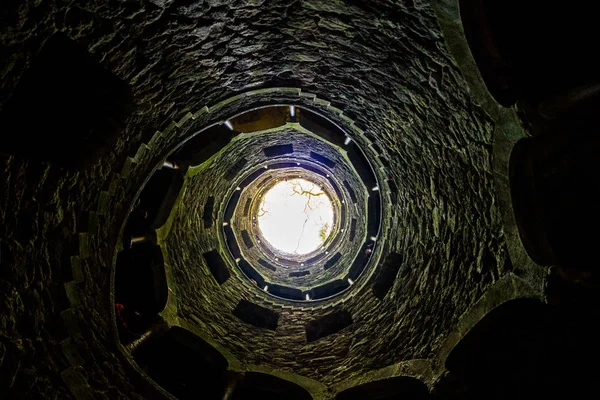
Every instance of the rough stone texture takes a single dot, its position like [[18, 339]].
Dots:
[[384, 63], [208, 181], [315, 270], [204, 301]]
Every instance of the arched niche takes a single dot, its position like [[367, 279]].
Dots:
[[256, 385], [141, 290], [527, 349], [530, 50], [398, 387], [155, 202], [184, 365], [527, 205], [495, 69], [555, 181], [67, 109]]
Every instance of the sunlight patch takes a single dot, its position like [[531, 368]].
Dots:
[[295, 216]]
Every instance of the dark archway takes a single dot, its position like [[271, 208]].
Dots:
[[256, 385], [400, 387], [555, 184], [530, 51], [526, 349], [184, 364], [141, 290]]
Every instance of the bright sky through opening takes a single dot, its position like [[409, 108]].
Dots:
[[295, 216]]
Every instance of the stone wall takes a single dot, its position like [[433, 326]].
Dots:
[[384, 64]]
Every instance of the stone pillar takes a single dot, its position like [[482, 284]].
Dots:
[[232, 381], [158, 329]]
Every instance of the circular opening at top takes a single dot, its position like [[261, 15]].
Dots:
[[295, 216]]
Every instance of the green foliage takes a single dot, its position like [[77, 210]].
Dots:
[[323, 232]]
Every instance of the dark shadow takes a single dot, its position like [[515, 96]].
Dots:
[[495, 69], [232, 242], [400, 387], [246, 239], [527, 206], [362, 259], [184, 365], [231, 205], [387, 275], [159, 201], [525, 349], [67, 109], [256, 315], [261, 119], [530, 50], [207, 214], [247, 207], [155, 202], [299, 273], [332, 261], [217, 266], [251, 178], [321, 127], [362, 165], [327, 325], [256, 385], [278, 150], [251, 273], [555, 181], [329, 289], [236, 169], [266, 264], [286, 292], [352, 230], [373, 214], [322, 159], [203, 145], [141, 290], [350, 191], [567, 178]]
